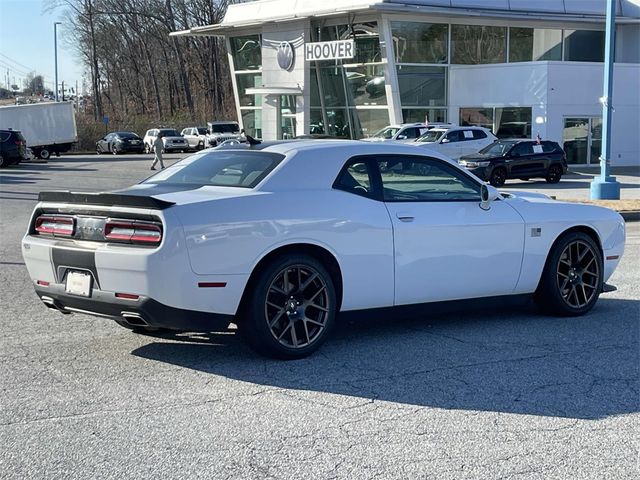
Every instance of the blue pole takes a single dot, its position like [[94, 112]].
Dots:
[[606, 187]]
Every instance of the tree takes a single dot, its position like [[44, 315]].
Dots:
[[35, 84]]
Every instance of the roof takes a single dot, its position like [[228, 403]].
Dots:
[[255, 13]]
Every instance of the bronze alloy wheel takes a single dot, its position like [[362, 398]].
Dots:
[[578, 274], [297, 306]]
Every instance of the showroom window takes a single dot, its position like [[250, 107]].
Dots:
[[246, 52], [348, 97], [475, 44], [583, 46], [415, 42], [504, 122], [533, 44]]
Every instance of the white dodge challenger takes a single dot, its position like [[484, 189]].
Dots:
[[279, 238]]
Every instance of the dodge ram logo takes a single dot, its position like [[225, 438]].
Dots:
[[286, 56]]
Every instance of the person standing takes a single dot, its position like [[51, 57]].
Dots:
[[158, 146]]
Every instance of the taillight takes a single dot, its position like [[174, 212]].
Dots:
[[55, 225], [133, 231]]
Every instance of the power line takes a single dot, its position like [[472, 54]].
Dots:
[[15, 62]]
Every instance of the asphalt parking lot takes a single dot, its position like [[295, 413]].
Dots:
[[498, 393]]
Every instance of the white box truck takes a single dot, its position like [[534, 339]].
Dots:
[[49, 128]]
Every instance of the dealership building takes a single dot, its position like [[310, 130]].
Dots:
[[521, 68]]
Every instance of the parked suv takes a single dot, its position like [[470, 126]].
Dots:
[[171, 139], [196, 137], [407, 132], [13, 148], [218, 132], [523, 159], [456, 141]]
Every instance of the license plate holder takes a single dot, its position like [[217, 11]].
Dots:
[[79, 283]]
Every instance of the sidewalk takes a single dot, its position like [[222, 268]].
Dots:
[[575, 187]]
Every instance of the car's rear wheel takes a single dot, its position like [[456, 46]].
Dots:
[[572, 278], [290, 309], [554, 174], [498, 177], [44, 154], [3, 163], [114, 149]]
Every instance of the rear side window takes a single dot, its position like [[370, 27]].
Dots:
[[479, 135], [355, 178], [4, 136], [454, 136], [525, 148], [548, 147], [223, 169]]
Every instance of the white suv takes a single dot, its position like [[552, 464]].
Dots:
[[196, 137], [407, 132], [456, 141], [172, 140]]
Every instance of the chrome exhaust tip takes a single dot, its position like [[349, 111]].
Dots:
[[134, 319]]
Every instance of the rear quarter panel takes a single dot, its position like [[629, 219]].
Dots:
[[553, 219]]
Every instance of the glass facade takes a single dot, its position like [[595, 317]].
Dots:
[[475, 44], [415, 42], [352, 92], [532, 44], [504, 122], [246, 52], [583, 46]]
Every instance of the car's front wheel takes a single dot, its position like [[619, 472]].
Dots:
[[498, 177], [572, 278], [290, 309]]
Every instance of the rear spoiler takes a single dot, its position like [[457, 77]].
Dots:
[[104, 199]]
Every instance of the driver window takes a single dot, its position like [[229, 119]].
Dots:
[[453, 136], [413, 179]]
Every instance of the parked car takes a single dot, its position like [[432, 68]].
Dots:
[[120, 142], [279, 238], [407, 132], [13, 148], [523, 159], [196, 137], [220, 131], [456, 141], [172, 140]]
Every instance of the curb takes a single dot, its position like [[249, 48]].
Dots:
[[631, 216]]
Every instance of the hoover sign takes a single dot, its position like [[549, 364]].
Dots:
[[338, 49]]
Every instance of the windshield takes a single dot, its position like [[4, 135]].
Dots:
[[387, 132], [497, 149], [225, 128], [202, 131], [168, 132], [431, 136], [220, 168], [127, 135]]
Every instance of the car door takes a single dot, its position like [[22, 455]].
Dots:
[[523, 161], [445, 246], [450, 144], [468, 142]]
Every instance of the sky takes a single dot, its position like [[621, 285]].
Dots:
[[26, 43]]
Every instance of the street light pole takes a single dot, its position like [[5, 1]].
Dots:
[[55, 55], [606, 187]]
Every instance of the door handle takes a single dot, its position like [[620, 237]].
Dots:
[[405, 217]]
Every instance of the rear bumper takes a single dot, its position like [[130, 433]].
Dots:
[[143, 311], [172, 148]]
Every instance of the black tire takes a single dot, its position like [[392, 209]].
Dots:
[[294, 324], [554, 174], [571, 281], [3, 163], [98, 149], [114, 149], [44, 154], [498, 177]]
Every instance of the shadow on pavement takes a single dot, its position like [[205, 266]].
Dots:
[[510, 361]]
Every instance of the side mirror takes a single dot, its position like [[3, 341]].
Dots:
[[445, 140], [402, 137], [488, 194]]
